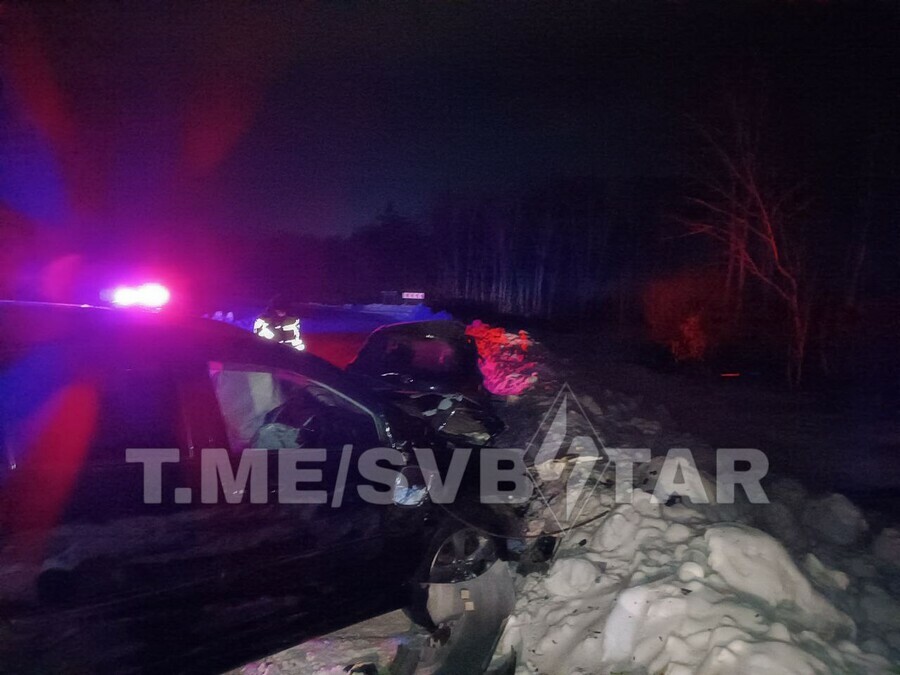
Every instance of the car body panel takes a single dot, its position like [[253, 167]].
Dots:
[[169, 587]]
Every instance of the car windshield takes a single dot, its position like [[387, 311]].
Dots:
[[427, 356]]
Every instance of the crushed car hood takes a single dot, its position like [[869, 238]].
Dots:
[[429, 370]]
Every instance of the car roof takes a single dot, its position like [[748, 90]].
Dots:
[[151, 335], [443, 329]]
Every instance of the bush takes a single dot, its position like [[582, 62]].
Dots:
[[685, 314]]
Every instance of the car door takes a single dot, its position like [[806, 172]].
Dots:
[[359, 530], [328, 550], [113, 575]]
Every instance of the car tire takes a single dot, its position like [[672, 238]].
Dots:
[[466, 543]]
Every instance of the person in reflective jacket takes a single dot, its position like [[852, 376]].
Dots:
[[278, 324]]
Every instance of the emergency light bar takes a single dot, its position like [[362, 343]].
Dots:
[[152, 296]]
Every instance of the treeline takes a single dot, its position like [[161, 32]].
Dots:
[[556, 250], [733, 257], [564, 249]]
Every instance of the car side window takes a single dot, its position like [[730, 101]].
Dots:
[[246, 395], [265, 408]]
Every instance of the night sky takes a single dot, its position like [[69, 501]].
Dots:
[[311, 117]]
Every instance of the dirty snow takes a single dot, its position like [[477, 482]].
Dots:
[[805, 584], [375, 641], [835, 519], [650, 588]]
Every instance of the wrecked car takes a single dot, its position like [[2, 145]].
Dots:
[[99, 575], [430, 370]]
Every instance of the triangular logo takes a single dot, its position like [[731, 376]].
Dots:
[[566, 458]]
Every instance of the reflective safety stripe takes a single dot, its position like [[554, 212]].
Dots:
[[262, 328]]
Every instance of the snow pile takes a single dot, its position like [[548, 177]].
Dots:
[[836, 520], [887, 546], [801, 585], [756, 565], [650, 588]]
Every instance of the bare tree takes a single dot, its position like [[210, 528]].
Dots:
[[755, 215]]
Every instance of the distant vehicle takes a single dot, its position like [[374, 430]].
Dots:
[[93, 579], [430, 369]]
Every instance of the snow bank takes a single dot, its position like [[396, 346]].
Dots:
[[650, 588], [801, 585], [753, 563], [835, 519], [887, 546]]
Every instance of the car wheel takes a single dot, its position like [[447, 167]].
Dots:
[[463, 547], [465, 554]]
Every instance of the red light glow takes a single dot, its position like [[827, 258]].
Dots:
[[150, 295]]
